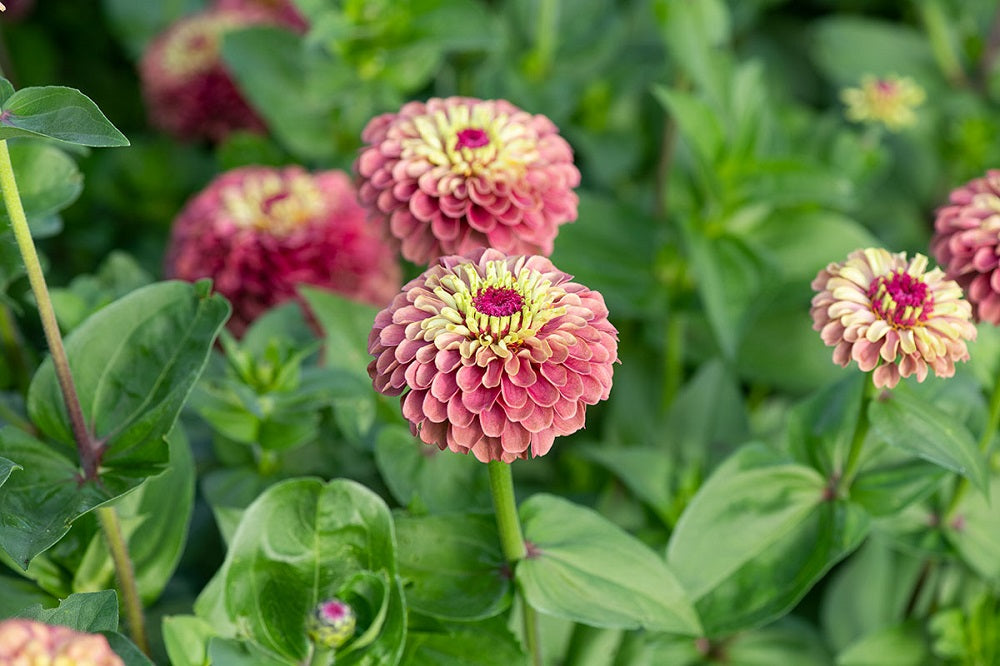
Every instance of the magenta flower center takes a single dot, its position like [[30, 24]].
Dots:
[[900, 299], [472, 137], [333, 611], [498, 301]]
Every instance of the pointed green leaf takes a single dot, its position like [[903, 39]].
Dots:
[[186, 638], [466, 644], [48, 180], [89, 612], [59, 113], [589, 570]]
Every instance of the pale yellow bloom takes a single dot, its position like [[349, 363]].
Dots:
[[888, 100]]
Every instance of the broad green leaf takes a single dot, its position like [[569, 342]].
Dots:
[[820, 428], [585, 568], [452, 566], [698, 123], [118, 275], [89, 612], [899, 645], [59, 113], [467, 644], [974, 531], [186, 638], [756, 537], [6, 90], [646, 470], [346, 325], [134, 363], [229, 492], [886, 489], [299, 543], [6, 467], [47, 181], [126, 649], [244, 653], [692, 33], [788, 641], [423, 477], [16, 594], [904, 420]]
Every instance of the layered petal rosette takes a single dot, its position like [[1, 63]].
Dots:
[[36, 644], [260, 231], [892, 315], [493, 354], [187, 89], [454, 174], [967, 243]]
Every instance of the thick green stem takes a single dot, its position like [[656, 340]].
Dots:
[[546, 31], [322, 657], [89, 450], [125, 573], [992, 423], [943, 45], [850, 469], [513, 545]]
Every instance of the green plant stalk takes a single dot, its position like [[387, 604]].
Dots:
[[88, 448], [112, 528], [992, 423], [321, 657], [513, 545], [857, 439], [943, 46], [545, 38]]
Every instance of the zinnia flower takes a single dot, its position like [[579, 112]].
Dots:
[[32, 643], [967, 243], [889, 101], [892, 316], [260, 231], [188, 91], [459, 173], [284, 12], [495, 355]]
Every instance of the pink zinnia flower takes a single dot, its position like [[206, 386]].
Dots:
[[284, 12], [30, 642], [892, 316], [459, 173], [260, 231], [967, 243], [188, 91], [495, 355]]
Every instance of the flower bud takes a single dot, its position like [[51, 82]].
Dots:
[[331, 624]]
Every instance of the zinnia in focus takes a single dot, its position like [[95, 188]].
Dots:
[[260, 231], [889, 101], [967, 243], [36, 644], [892, 316], [495, 355], [188, 91], [455, 174]]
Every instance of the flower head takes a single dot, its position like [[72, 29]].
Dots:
[[188, 91], [454, 174], [260, 231], [892, 316], [495, 355], [284, 12], [30, 642], [888, 100], [967, 243], [332, 623]]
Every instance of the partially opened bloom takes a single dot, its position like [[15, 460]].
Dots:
[[495, 355], [454, 174], [188, 91], [260, 231], [36, 644], [967, 243], [889, 101], [892, 316]]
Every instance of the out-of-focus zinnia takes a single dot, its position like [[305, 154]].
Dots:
[[967, 243], [892, 316], [889, 101], [495, 355], [188, 91], [260, 231], [451, 175], [36, 644], [284, 11]]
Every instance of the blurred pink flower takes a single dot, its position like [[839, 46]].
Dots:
[[495, 355], [967, 243], [892, 316], [187, 89], [284, 12], [260, 231], [459, 173], [35, 644]]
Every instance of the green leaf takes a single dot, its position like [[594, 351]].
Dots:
[[346, 324], [906, 421], [452, 566], [229, 492], [17, 594], [47, 181], [974, 532], [186, 638], [586, 569], [697, 122], [756, 537], [6, 90], [88, 612], [6, 467], [134, 363], [693, 33], [424, 477], [59, 113], [127, 650], [899, 645], [888, 489], [299, 543], [820, 428], [849, 47], [479, 644], [645, 470]]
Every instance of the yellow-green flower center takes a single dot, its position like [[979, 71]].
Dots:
[[194, 46], [272, 203], [498, 310]]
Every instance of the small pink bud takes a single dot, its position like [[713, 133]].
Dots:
[[331, 624]]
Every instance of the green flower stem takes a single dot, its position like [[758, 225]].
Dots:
[[88, 449], [513, 545], [935, 20], [546, 30], [321, 657], [858, 439], [125, 573], [992, 423]]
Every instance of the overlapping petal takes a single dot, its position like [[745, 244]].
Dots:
[[494, 354], [36, 644]]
